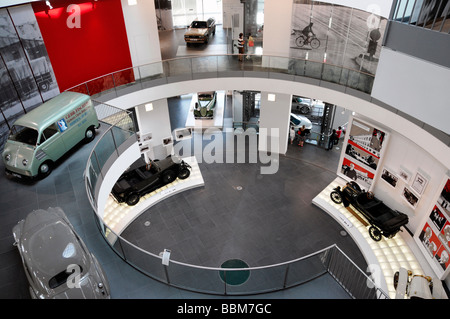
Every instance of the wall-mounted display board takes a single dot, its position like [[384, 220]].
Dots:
[[434, 237], [364, 145]]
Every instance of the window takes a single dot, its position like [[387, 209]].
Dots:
[[60, 278], [48, 132], [23, 134]]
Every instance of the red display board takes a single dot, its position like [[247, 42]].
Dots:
[[84, 40]]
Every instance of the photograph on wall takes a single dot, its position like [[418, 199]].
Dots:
[[367, 137], [389, 177], [361, 155], [409, 196], [430, 240], [419, 183], [444, 197], [354, 172], [444, 235], [404, 174], [27, 78], [336, 34], [363, 149], [442, 257], [438, 218]]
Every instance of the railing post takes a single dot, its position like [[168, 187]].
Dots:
[[286, 276]]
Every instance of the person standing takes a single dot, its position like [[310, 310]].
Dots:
[[332, 140], [292, 134], [339, 132], [302, 135], [240, 46], [251, 45]]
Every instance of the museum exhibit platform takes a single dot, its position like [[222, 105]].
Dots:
[[212, 124], [384, 257], [119, 215]]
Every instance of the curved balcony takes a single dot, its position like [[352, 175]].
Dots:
[[106, 162]]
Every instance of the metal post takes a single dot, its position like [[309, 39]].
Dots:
[[167, 274], [286, 276]]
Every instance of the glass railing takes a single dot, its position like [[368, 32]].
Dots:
[[217, 66], [120, 134]]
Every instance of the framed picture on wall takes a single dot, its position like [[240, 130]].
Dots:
[[409, 196], [389, 177], [404, 174], [419, 183]]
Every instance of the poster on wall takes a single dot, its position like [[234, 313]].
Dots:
[[435, 235], [362, 153], [442, 257], [354, 172], [335, 34], [429, 240], [444, 197]]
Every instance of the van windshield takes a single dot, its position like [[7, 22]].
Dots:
[[23, 134]]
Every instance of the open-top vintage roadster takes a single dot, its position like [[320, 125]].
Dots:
[[383, 220], [142, 178]]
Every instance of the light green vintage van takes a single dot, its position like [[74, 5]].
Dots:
[[39, 138]]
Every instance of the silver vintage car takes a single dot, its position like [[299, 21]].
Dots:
[[57, 263]]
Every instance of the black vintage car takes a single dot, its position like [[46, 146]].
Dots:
[[142, 178], [384, 221]]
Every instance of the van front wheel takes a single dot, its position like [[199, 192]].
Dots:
[[89, 135], [45, 169]]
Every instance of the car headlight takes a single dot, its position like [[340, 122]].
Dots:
[[7, 157], [25, 162]]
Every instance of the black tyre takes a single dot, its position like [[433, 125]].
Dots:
[[375, 233], [315, 43], [336, 197], [168, 177], [45, 169], [89, 135], [184, 173], [132, 199], [304, 109]]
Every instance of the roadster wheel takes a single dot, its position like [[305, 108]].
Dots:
[[132, 199], [168, 177], [184, 173], [336, 197], [375, 233]]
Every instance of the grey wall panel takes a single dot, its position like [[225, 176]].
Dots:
[[422, 43]]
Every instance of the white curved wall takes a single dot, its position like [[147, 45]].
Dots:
[[402, 126]]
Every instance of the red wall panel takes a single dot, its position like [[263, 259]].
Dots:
[[84, 39]]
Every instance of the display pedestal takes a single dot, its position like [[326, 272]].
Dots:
[[214, 123], [118, 216], [387, 254]]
